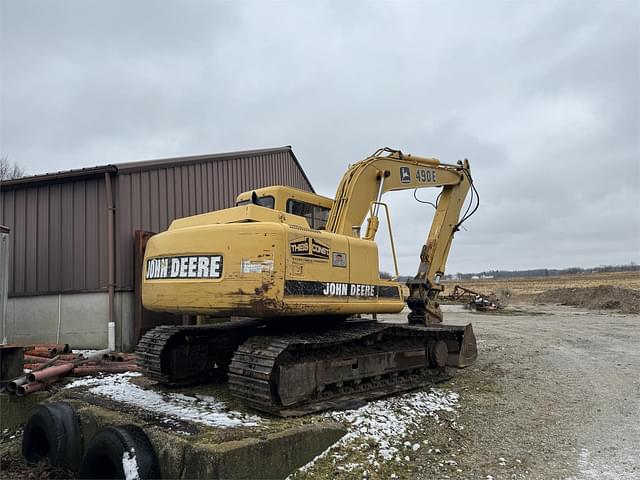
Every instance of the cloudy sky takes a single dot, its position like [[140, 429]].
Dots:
[[542, 97]]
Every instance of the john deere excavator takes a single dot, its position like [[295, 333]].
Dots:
[[297, 269]]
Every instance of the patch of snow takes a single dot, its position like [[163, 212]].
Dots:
[[202, 409], [380, 427], [130, 465], [84, 353]]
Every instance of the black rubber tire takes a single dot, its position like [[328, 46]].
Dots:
[[53, 433], [103, 458]]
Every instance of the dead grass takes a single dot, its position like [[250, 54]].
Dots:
[[514, 288]]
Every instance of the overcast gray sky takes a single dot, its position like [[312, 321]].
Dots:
[[542, 97]]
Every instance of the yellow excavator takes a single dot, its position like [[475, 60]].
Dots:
[[299, 278]]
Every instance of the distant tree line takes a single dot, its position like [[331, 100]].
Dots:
[[545, 272]]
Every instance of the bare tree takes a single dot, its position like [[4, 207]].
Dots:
[[9, 170]]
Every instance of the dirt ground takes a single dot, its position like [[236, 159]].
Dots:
[[527, 288], [554, 394], [559, 392]]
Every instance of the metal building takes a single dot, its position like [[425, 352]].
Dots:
[[71, 266]]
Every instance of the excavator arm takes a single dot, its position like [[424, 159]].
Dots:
[[389, 170]]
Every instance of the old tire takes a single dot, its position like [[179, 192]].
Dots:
[[53, 433], [114, 446]]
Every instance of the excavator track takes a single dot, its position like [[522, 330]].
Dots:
[[301, 373], [178, 355], [292, 374]]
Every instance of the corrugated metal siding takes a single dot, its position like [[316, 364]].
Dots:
[[152, 199], [59, 229], [57, 237]]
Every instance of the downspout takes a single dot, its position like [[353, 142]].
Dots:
[[110, 259]]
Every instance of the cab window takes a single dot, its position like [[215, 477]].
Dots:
[[316, 216], [267, 201]]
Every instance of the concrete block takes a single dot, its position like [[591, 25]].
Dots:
[[15, 411], [273, 455]]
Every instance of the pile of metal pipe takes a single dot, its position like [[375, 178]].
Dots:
[[48, 364]]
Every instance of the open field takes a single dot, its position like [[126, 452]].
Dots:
[[526, 287]]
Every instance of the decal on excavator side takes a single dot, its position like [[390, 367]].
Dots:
[[338, 289], [196, 266], [309, 247]]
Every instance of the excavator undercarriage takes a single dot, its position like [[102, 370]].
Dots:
[[290, 374]]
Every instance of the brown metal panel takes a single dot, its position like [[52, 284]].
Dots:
[[204, 185], [177, 189], [31, 240], [145, 197], [211, 186], [68, 252], [79, 235], [197, 189], [163, 200], [8, 219], [222, 184], [92, 240], [54, 280], [18, 232], [192, 190], [171, 196], [102, 249], [184, 191], [43, 235], [136, 201], [126, 204], [154, 201]]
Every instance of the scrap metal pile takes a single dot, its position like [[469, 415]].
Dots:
[[473, 300], [45, 364]]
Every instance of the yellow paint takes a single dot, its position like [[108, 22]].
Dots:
[[263, 249]]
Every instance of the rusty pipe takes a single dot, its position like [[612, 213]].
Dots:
[[13, 385], [71, 356], [60, 347], [42, 352], [35, 359], [50, 372], [46, 364], [111, 209], [23, 390]]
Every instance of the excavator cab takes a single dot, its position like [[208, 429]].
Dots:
[[311, 206]]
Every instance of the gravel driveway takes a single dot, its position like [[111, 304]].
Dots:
[[555, 394]]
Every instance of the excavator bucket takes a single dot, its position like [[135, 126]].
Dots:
[[468, 348], [461, 344]]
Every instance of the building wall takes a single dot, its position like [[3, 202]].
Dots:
[[81, 317], [58, 237], [58, 272], [59, 225]]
